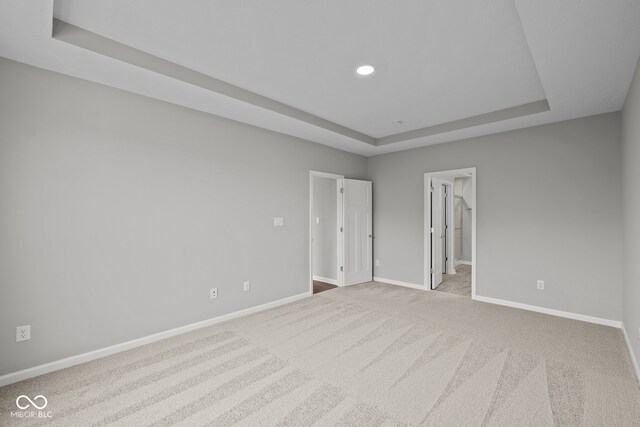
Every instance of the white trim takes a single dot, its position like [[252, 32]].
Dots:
[[399, 283], [451, 233], [552, 312], [117, 348], [339, 260], [462, 262], [426, 261], [325, 175], [634, 361], [326, 280], [474, 229]]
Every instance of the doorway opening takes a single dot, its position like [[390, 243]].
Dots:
[[325, 225], [340, 231], [450, 231]]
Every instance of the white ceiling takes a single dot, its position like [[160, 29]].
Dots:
[[429, 70], [436, 61]]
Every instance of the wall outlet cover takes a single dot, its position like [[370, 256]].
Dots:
[[23, 333], [540, 285], [247, 286], [377, 263], [278, 222], [213, 293]]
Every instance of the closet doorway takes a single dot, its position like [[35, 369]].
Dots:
[[450, 230], [341, 231]]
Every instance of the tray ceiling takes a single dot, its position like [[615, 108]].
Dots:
[[446, 69]]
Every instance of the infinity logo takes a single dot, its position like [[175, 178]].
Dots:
[[31, 402]]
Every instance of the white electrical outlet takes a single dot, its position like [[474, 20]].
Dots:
[[213, 293], [247, 286], [23, 333], [278, 222], [377, 263], [541, 285], [317, 220]]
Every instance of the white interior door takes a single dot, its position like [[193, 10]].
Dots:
[[437, 232], [358, 232], [445, 227]]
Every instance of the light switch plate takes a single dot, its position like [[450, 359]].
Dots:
[[247, 286], [317, 220], [278, 222], [541, 285], [23, 333]]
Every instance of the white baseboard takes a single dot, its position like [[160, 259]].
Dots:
[[634, 361], [559, 313], [117, 348], [326, 280], [399, 283], [462, 262]]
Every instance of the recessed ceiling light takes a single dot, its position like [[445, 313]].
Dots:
[[365, 70]]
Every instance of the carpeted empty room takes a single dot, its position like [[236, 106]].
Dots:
[[371, 354], [286, 213]]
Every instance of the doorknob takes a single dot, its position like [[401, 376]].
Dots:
[[371, 236]]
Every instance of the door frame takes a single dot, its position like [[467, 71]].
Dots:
[[339, 223], [437, 221], [450, 267], [427, 223]]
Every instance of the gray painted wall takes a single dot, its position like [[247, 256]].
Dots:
[[631, 198], [463, 217], [548, 207], [119, 212], [467, 218], [325, 239]]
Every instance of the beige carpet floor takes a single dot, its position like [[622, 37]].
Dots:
[[459, 283], [366, 355]]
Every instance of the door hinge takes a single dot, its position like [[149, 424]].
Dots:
[[341, 190], [431, 271], [341, 229], [341, 268], [431, 189], [432, 230]]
